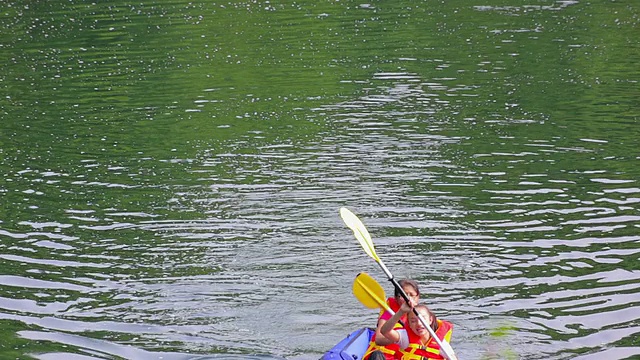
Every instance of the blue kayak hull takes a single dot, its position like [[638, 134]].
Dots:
[[352, 347]]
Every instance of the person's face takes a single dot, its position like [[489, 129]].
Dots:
[[416, 325], [411, 293]]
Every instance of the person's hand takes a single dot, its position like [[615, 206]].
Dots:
[[407, 307]]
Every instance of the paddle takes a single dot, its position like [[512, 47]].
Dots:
[[367, 290], [362, 234]]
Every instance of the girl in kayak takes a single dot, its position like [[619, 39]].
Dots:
[[382, 348], [414, 339]]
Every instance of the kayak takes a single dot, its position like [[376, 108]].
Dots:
[[351, 347]]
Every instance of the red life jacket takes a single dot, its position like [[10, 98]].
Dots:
[[388, 350], [417, 351]]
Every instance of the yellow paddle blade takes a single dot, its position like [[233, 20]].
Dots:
[[360, 232], [367, 290]]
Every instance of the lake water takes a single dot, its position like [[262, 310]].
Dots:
[[173, 171]]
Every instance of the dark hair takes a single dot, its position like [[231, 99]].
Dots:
[[403, 283], [434, 322]]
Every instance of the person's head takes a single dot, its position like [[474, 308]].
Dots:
[[410, 288], [416, 325]]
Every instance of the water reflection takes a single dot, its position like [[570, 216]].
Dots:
[[97, 349], [172, 174]]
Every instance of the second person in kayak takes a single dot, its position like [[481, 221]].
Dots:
[[414, 340], [380, 347]]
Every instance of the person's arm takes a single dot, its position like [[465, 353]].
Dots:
[[397, 336], [381, 339], [387, 329]]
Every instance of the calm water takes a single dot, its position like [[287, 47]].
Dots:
[[172, 174]]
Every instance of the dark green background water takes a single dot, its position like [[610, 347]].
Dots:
[[172, 174]]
